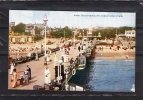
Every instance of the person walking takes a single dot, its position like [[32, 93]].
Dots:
[[62, 58], [47, 74], [12, 68], [71, 62], [55, 58], [79, 48], [36, 58], [29, 70], [26, 77]]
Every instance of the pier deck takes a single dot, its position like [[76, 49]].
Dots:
[[37, 68]]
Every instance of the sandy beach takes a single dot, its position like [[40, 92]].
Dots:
[[115, 54]]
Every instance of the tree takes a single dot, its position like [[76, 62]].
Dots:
[[61, 32], [122, 29], [20, 28], [38, 37], [67, 31], [111, 32], [37, 30]]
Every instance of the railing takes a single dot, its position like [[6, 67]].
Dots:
[[74, 86]]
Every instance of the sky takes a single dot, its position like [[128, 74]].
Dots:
[[74, 19]]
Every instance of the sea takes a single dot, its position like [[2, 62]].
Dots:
[[106, 76]]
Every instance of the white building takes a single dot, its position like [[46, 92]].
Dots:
[[11, 24], [28, 28], [130, 33], [39, 25], [89, 34]]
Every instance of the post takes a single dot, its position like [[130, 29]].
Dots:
[[83, 37], [64, 36], [66, 81], [45, 31], [74, 40], [66, 78], [45, 41], [58, 73], [41, 47]]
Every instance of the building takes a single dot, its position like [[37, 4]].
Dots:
[[15, 38], [30, 28], [130, 34], [11, 24], [89, 35], [20, 39], [39, 25]]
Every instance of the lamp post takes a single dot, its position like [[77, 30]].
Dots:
[[82, 36], [45, 31], [64, 36], [74, 39], [59, 78]]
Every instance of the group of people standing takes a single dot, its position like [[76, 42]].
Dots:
[[81, 47], [23, 79]]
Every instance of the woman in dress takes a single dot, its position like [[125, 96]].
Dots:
[[15, 78], [11, 68]]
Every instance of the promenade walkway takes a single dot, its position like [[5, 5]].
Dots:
[[37, 68]]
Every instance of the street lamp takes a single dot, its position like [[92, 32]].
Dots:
[[75, 32], [45, 31], [59, 77], [64, 36], [74, 39], [82, 36]]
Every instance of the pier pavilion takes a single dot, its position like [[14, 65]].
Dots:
[[89, 35]]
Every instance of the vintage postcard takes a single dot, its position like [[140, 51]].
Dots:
[[72, 51]]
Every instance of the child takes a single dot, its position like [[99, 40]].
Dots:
[[21, 80]]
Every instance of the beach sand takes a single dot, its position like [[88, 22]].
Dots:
[[120, 54]]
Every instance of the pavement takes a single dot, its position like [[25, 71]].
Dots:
[[37, 70]]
